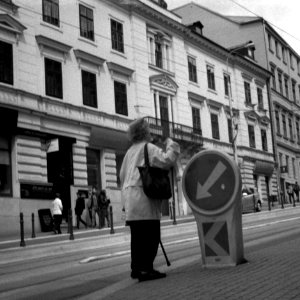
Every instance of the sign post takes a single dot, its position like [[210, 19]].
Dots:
[[211, 184]]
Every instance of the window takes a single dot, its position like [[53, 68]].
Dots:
[[210, 78], [53, 78], [229, 124], [284, 125], [277, 49], [294, 168], [291, 61], [251, 136], [93, 168], [158, 53], [273, 78], [298, 131], [264, 141], [196, 120], [260, 98], [5, 166], [51, 12], [291, 129], [120, 98], [247, 92], [227, 85], [6, 63], [287, 158], [280, 82], [277, 122], [283, 54], [117, 41], [286, 86], [270, 43], [294, 90], [215, 126], [86, 20], [192, 69], [89, 89]]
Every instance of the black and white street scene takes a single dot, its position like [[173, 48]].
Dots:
[[149, 149]]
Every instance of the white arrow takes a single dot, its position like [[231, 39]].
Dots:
[[202, 190]]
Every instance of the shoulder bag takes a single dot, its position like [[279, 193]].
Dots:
[[156, 181]]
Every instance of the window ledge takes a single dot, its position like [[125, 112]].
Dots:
[[122, 54], [88, 41], [196, 84], [212, 91], [56, 28], [161, 70]]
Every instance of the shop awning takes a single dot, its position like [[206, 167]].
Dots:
[[264, 167]]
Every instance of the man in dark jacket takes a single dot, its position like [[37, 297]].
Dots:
[[79, 208]]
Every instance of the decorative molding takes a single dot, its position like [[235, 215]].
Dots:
[[164, 83], [45, 42], [84, 56], [113, 67], [11, 25]]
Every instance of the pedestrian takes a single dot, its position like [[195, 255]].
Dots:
[[79, 208], [290, 192], [57, 208], [93, 206], [103, 205], [143, 214], [296, 190]]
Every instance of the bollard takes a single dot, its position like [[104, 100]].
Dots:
[[294, 203], [32, 225], [269, 203], [70, 225], [281, 198], [22, 243], [112, 231], [171, 211]]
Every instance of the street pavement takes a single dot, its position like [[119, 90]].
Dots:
[[272, 272]]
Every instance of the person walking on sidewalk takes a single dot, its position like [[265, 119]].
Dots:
[[103, 204], [57, 208], [296, 190], [93, 206], [79, 208], [290, 192], [143, 214]]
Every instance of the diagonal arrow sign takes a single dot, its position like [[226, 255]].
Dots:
[[202, 190]]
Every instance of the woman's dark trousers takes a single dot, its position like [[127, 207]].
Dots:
[[145, 237]]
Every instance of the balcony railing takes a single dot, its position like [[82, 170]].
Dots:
[[178, 132]]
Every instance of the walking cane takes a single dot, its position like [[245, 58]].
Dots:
[[165, 254]]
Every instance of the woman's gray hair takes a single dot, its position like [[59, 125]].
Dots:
[[138, 131]]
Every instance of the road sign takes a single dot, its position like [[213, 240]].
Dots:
[[210, 182]]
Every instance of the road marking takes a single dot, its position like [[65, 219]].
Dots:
[[202, 190]]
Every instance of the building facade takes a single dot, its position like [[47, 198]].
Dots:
[[276, 55], [74, 74]]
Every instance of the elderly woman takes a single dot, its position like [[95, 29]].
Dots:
[[143, 214]]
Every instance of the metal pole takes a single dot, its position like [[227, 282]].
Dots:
[[233, 142], [22, 243], [32, 223], [70, 223], [112, 231], [173, 194]]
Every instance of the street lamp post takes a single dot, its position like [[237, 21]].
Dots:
[[239, 47]]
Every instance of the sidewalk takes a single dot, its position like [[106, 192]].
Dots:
[[271, 273]]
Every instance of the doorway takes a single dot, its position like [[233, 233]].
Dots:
[[60, 172]]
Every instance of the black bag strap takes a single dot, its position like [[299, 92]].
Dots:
[[146, 155]]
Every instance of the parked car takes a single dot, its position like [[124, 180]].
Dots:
[[251, 202]]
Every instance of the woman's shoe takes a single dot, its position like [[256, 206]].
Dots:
[[151, 275]]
